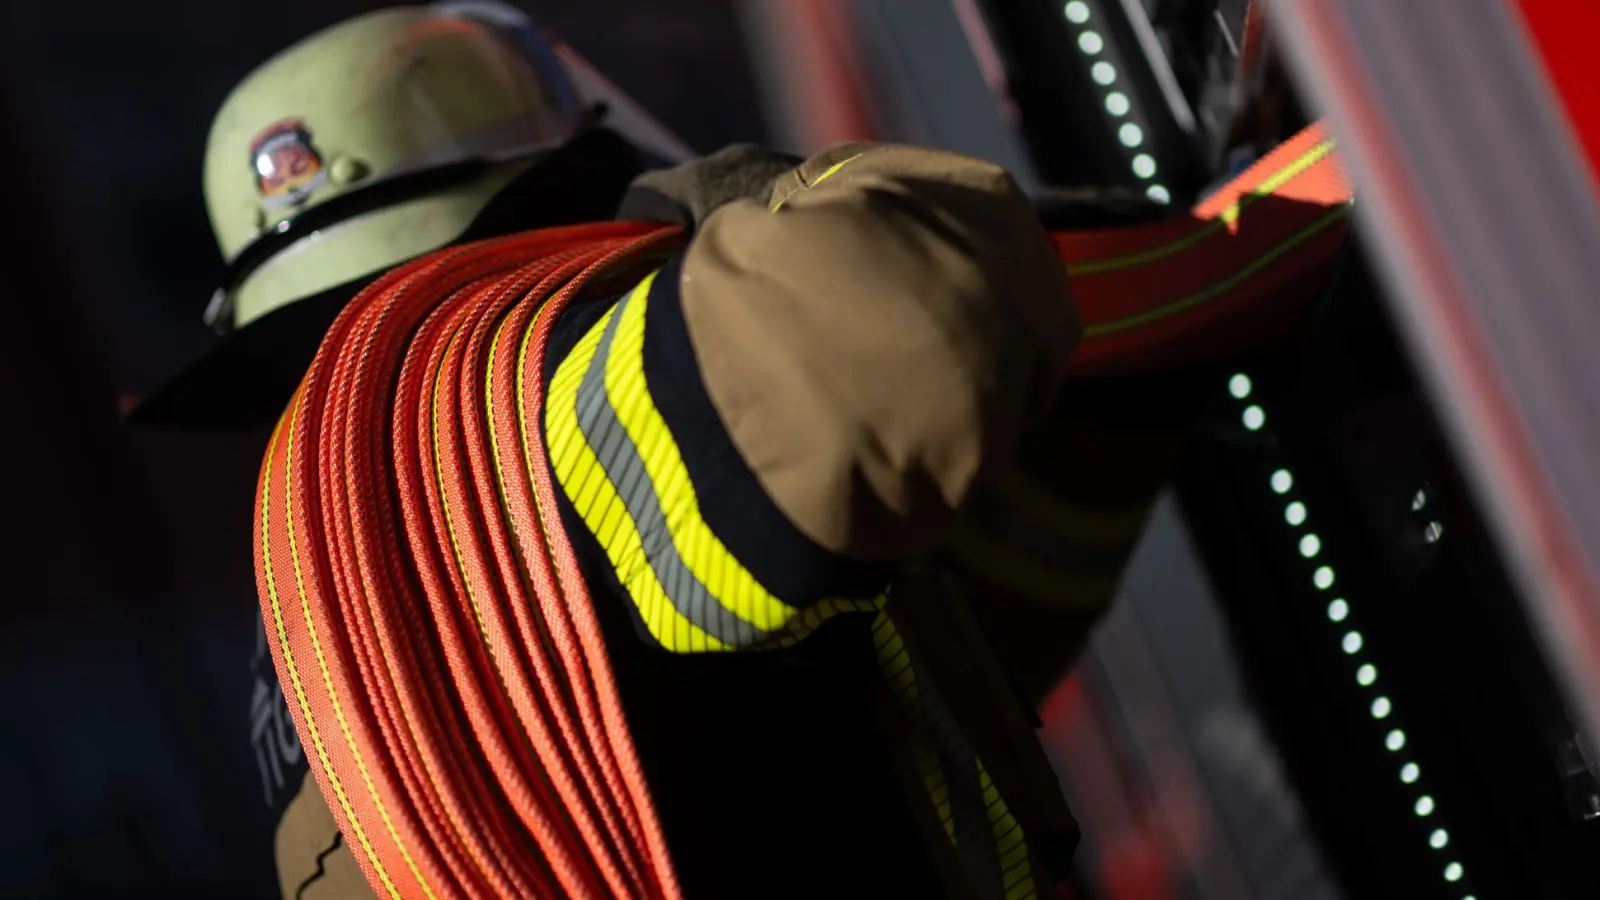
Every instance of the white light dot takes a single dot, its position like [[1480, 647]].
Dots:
[[1295, 513], [1338, 610], [1351, 642], [1367, 674], [1103, 73], [1132, 135], [1323, 577], [1419, 501], [1433, 532], [1381, 708], [1254, 417], [1239, 385], [1310, 546], [1077, 12], [1453, 872], [1438, 839], [1282, 481], [1090, 42], [1144, 165], [1424, 805], [1410, 772], [1117, 103], [1395, 739], [1159, 194]]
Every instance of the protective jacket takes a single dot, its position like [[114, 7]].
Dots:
[[614, 563]]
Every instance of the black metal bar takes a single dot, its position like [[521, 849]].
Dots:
[[1063, 108]]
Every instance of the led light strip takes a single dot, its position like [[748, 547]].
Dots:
[[1117, 104], [1352, 642]]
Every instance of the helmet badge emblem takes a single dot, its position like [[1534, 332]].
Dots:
[[286, 164]]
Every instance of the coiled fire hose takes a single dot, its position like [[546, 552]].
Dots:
[[438, 646], [437, 642]]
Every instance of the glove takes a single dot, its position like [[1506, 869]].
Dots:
[[687, 194]]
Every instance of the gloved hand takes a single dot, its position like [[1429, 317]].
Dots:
[[687, 194]]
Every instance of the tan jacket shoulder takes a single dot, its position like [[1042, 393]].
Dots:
[[314, 863], [876, 337]]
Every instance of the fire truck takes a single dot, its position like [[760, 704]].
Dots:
[[1358, 651]]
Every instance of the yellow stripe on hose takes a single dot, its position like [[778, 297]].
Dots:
[[327, 679], [1224, 285], [444, 504], [494, 438], [288, 654], [1296, 167]]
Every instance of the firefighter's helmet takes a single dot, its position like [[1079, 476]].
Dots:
[[370, 142], [375, 141]]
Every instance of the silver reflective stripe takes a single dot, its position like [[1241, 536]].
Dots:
[[620, 459]]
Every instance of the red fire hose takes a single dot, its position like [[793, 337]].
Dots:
[[440, 649]]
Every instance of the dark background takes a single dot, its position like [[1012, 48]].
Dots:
[[127, 609]]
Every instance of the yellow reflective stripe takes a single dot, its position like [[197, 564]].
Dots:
[[597, 502], [701, 550], [933, 781], [826, 174], [813, 617], [1220, 287], [1016, 870], [1296, 167], [894, 661], [619, 465], [615, 345], [1000, 868], [1005, 565]]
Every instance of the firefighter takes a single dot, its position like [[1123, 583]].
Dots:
[[837, 521], [848, 348]]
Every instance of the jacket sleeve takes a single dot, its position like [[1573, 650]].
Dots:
[[1045, 547], [761, 432]]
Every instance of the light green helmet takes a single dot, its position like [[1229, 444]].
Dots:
[[371, 142], [375, 141]]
